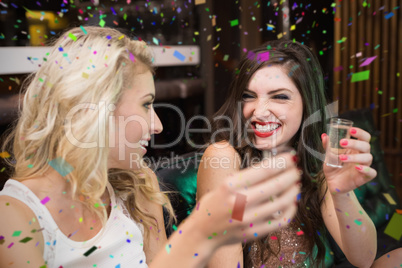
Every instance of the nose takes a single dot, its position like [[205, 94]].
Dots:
[[262, 109], [156, 124]]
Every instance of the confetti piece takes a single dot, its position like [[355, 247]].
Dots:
[[293, 27], [102, 23], [132, 57], [26, 239], [270, 27], [9, 246], [83, 29], [45, 200], [234, 22], [60, 49], [274, 238], [16, 233], [300, 233], [356, 77], [199, 2], [90, 251], [358, 222], [72, 36], [389, 198], [239, 207], [168, 248], [368, 61], [85, 75], [61, 166], [2, 240], [178, 55], [389, 15], [226, 57], [156, 41], [4, 155], [263, 56], [337, 69], [393, 228]]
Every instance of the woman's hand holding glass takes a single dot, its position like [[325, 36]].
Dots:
[[258, 185], [355, 170]]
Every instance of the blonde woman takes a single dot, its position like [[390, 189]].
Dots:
[[77, 198]]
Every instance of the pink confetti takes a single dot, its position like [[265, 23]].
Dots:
[[9, 246], [368, 61], [337, 69], [45, 200], [274, 238], [132, 57], [95, 52], [263, 56]]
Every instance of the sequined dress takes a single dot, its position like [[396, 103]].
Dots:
[[293, 252]]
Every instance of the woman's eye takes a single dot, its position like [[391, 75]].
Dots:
[[246, 96], [281, 97], [148, 105]]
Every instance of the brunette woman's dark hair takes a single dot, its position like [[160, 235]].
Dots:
[[305, 71]]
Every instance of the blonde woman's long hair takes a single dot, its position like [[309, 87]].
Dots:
[[86, 71]]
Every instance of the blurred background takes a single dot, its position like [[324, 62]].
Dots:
[[349, 37]]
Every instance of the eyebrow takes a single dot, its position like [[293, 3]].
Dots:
[[273, 91], [150, 95]]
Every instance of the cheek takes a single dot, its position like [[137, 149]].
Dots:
[[131, 129], [247, 110]]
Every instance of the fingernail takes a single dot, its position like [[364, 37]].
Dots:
[[323, 135], [359, 167], [353, 131], [344, 142], [343, 157]]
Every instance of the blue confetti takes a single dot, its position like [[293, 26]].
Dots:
[[178, 55], [61, 166], [389, 15]]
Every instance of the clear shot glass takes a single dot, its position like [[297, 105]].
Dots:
[[338, 129]]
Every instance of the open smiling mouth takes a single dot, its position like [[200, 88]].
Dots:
[[265, 129]]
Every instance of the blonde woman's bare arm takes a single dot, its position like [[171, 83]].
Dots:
[[20, 230]]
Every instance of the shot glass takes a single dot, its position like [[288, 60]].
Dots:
[[338, 129]]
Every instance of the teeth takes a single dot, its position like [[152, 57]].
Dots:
[[143, 143], [266, 128]]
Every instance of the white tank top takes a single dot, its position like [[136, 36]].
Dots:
[[118, 244]]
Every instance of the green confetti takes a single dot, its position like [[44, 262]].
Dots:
[[234, 22], [168, 248], [361, 76], [226, 57], [72, 36], [174, 227], [102, 23], [30, 166], [395, 110], [17, 233], [26, 239], [125, 16], [358, 222]]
